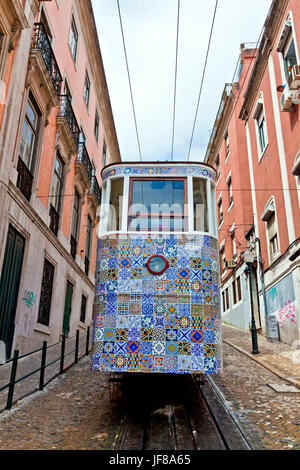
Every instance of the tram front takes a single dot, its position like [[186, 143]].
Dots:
[[157, 296]]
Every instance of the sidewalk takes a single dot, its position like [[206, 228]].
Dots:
[[279, 358], [269, 418]]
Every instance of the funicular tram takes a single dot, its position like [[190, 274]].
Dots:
[[157, 296]]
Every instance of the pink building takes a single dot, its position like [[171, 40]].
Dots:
[[271, 132], [57, 132]]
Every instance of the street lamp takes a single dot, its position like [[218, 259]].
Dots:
[[248, 258]]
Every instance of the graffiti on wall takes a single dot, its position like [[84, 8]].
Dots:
[[29, 298], [281, 295], [287, 315]]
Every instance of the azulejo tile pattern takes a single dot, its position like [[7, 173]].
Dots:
[[186, 170], [166, 324]]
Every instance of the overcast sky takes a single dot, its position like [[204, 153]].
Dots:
[[150, 34]]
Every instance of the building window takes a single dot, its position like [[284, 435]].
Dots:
[[88, 245], [289, 55], [73, 39], [86, 89], [46, 294], [57, 183], [230, 195], [82, 137], [96, 125], [27, 151], [220, 211], [236, 290], [227, 149], [55, 196], [239, 289], [227, 298], [273, 236], [222, 260], [261, 124], [29, 134], [83, 308], [104, 154], [218, 167], [75, 224]]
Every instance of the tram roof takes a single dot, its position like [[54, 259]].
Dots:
[[157, 163]]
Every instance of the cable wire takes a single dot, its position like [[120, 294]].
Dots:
[[175, 84], [130, 87], [202, 80]]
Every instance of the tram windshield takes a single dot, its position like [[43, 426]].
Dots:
[[157, 205]]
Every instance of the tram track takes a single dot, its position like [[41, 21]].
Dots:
[[194, 417]]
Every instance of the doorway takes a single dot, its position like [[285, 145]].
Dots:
[[9, 286]]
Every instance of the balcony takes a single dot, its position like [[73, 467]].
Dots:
[[25, 179], [67, 122], [73, 246], [42, 66], [95, 192], [41, 42], [86, 265], [83, 165], [54, 220]]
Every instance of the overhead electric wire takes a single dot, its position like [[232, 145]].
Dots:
[[130, 87], [175, 83], [202, 80]]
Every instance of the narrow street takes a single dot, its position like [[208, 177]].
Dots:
[[74, 412]]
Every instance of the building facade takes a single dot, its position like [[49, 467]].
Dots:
[[56, 132], [270, 115]]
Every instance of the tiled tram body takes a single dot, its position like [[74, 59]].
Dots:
[[157, 296]]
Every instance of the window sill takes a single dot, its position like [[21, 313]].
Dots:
[[230, 207], [42, 329], [221, 224], [275, 257]]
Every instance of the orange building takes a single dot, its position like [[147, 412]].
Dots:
[[270, 115], [57, 132]]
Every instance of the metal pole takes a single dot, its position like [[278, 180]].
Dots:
[[12, 379], [76, 346], [253, 326], [43, 364], [62, 354]]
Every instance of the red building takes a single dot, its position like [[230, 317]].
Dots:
[[270, 132]]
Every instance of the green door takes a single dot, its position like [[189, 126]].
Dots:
[[9, 286], [68, 308]]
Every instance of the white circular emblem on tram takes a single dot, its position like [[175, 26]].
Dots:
[[157, 264]]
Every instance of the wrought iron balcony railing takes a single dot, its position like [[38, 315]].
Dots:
[[66, 111], [86, 265], [73, 246], [54, 220], [41, 41], [25, 179], [95, 189], [83, 157]]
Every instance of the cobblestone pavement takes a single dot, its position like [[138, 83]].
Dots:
[[74, 411], [269, 419]]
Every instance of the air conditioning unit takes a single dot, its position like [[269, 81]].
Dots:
[[231, 263], [294, 78], [286, 99]]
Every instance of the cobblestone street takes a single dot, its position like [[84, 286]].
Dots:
[[74, 411]]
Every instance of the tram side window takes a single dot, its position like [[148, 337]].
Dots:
[[115, 201], [200, 205], [157, 205]]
